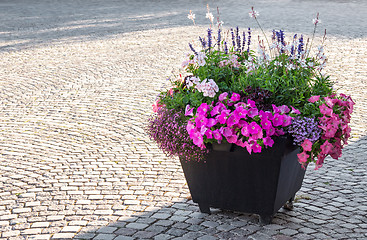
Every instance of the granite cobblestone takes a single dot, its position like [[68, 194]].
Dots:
[[76, 88]]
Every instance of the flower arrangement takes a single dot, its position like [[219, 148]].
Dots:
[[232, 93]]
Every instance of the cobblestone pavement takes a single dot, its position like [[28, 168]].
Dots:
[[77, 82]]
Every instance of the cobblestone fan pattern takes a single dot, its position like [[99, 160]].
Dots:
[[75, 161]]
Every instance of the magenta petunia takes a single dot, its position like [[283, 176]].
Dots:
[[217, 135], [307, 145], [251, 103], [222, 118], [215, 111], [287, 120], [203, 110], [275, 108], [314, 99], [232, 138], [253, 128], [270, 131], [232, 120], [268, 141], [245, 131], [252, 112], [278, 120], [235, 97], [265, 123], [211, 122], [227, 131], [209, 134], [240, 112], [329, 102], [201, 121], [256, 148]]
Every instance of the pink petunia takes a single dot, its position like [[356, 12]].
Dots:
[[302, 157], [223, 96], [295, 111], [326, 147], [329, 102], [284, 109], [307, 145], [227, 131], [157, 106], [275, 108], [189, 111], [325, 110], [314, 99], [215, 111]]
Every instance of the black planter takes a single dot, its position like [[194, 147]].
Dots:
[[259, 183]]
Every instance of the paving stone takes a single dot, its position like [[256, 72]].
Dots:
[[105, 236], [63, 235]]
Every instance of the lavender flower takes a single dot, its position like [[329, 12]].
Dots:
[[192, 49], [304, 128], [238, 40], [249, 40], [209, 38], [219, 39], [233, 42], [300, 46], [243, 41], [168, 129], [225, 47], [203, 42]]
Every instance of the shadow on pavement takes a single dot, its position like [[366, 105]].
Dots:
[[331, 204], [32, 23]]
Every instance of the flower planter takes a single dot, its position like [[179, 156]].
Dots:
[[235, 180]]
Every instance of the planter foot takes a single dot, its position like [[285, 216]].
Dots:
[[289, 205], [204, 208], [265, 219]]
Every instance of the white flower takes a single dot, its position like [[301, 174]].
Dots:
[[191, 16], [220, 24], [189, 83], [200, 59], [253, 13], [290, 66], [316, 21], [210, 16]]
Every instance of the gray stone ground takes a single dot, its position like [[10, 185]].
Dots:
[[77, 80]]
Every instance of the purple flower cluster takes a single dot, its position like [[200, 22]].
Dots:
[[168, 130], [304, 128]]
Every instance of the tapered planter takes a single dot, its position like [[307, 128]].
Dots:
[[259, 183]]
